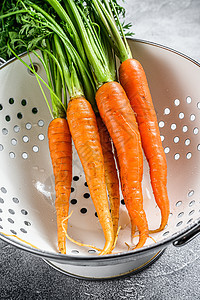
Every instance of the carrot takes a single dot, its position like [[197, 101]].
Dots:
[[61, 156], [120, 121], [133, 79], [84, 131], [111, 176]]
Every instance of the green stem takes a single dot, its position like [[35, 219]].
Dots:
[[74, 90], [120, 48], [122, 31], [13, 13], [101, 71], [70, 27]]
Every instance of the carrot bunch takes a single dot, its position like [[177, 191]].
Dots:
[[110, 123]]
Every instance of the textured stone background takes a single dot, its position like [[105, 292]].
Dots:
[[176, 274]]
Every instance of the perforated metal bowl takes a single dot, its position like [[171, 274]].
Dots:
[[27, 212]]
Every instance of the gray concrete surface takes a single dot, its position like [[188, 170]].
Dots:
[[176, 274]]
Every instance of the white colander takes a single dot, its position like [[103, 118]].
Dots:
[[27, 212]]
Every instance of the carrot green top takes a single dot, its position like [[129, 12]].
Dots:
[[63, 65], [93, 45]]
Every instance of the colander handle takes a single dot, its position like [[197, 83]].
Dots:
[[188, 237]]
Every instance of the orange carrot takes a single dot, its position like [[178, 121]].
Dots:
[[61, 155], [133, 79], [111, 176], [119, 118], [84, 131]]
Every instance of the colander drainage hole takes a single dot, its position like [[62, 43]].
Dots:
[[176, 102], [173, 126], [11, 211], [91, 251], [1, 200], [187, 142], [25, 139], [24, 212], [16, 128], [4, 131], [27, 223], [166, 111], [72, 189], [28, 126], [122, 202], [86, 195], [14, 142], [40, 123], [75, 178], [73, 201], [86, 184], [1, 147], [35, 149], [191, 193], [19, 115], [7, 118], [1, 106], [11, 100], [195, 130], [185, 128], [181, 115], [3, 189], [83, 210], [1, 210], [178, 203], [11, 221], [15, 200], [41, 137], [167, 150], [75, 251], [23, 102], [12, 155], [188, 100], [161, 124], [191, 212], [1, 227], [192, 203], [179, 223], [180, 214], [188, 155], [34, 110], [176, 139], [24, 155], [23, 230], [176, 156], [192, 117]]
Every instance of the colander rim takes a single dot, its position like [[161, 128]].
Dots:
[[83, 258]]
